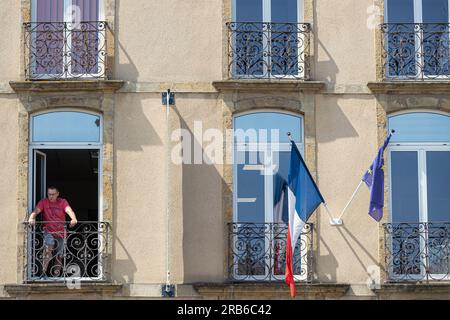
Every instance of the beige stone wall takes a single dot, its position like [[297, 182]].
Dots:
[[10, 42], [9, 230], [183, 38]]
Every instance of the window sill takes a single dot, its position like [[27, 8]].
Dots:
[[267, 290], [62, 288], [269, 85], [410, 87], [66, 85]]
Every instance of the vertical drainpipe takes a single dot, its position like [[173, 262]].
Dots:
[[167, 290]]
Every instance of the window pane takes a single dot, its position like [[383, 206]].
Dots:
[[435, 11], [420, 127], [405, 187], [249, 11], [66, 127], [250, 187], [284, 11], [400, 11], [257, 124], [438, 186]]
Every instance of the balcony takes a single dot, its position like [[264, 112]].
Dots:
[[260, 50], [257, 252], [415, 51], [417, 252], [65, 50], [78, 253]]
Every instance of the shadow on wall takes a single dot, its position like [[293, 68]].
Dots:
[[199, 181], [123, 270], [128, 71], [328, 65]]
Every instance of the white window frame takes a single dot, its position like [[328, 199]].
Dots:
[[418, 18], [35, 146], [267, 18], [268, 190], [421, 148], [67, 35]]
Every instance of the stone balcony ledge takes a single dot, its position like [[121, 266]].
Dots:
[[269, 85], [268, 290], [410, 87], [45, 86], [62, 289]]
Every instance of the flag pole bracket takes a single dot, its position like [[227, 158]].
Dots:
[[336, 222]]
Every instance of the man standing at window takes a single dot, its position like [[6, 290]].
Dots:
[[54, 210]]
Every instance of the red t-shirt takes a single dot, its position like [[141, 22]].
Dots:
[[54, 212]]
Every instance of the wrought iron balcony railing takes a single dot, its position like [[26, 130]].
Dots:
[[65, 50], [417, 251], [58, 252], [257, 252], [416, 51], [268, 50]]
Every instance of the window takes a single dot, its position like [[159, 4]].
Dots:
[[261, 164], [417, 38], [267, 39], [66, 39], [419, 158]]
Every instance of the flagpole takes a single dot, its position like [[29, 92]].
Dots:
[[333, 221], [354, 193]]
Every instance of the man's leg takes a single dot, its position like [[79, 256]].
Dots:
[[59, 253], [48, 250]]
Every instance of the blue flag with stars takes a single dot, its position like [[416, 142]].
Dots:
[[374, 179]]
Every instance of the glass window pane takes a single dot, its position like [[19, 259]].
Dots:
[[66, 127], [250, 187], [405, 187], [420, 127], [258, 126], [284, 11], [438, 186], [435, 11], [249, 10], [400, 11]]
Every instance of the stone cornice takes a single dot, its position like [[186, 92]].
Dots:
[[66, 86], [61, 288], [269, 85], [280, 290], [435, 288], [410, 87]]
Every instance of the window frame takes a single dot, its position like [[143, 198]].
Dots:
[[267, 18], [268, 190], [421, 148], [67, 74]]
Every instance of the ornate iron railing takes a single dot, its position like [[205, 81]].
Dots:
[[416, 51], [268, 50], [417, 251], [58, 252], [257, 252], [65, 50]]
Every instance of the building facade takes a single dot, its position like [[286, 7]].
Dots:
[[135, 110]]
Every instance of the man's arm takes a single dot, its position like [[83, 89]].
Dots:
[[72, 216], [32, 218]]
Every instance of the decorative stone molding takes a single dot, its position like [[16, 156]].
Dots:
[[39, 289], [416, 290], [410, 87], [269, 85], [270, 290], [105, 86]]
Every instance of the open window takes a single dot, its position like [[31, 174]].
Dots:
[[65, 149]]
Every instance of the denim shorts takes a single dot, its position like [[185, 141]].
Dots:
[[56, 242]]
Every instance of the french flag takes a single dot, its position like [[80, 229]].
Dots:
[[303, 199]]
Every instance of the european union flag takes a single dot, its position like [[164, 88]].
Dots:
[[374, 179]]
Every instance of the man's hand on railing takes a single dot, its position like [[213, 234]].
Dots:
[[32, 221], [73, 222]]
